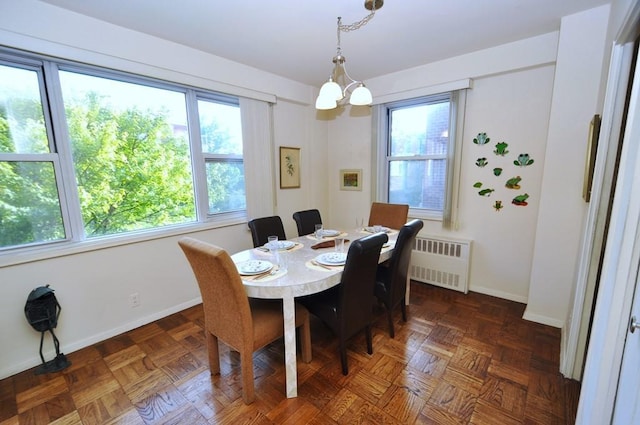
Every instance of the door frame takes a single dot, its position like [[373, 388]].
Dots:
[[622, 254]]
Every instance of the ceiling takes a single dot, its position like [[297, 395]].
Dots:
[[297, 39]]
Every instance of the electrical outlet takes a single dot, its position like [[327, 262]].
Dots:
[[134, 300]]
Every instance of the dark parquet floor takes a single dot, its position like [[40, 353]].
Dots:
[[459, 359]]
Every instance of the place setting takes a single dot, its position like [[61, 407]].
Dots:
[[321, 233], [279, 245], [330, 260], [259, 270]]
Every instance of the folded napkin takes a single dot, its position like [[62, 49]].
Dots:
[[327, 244]]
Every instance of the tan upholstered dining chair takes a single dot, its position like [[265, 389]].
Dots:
[[244, 324], [393, 216]]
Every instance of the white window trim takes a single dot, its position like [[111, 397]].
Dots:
[[380, 132]]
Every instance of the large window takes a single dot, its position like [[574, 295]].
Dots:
[[416, 145], [88, 153]]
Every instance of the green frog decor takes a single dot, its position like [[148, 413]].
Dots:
[[498, 206], [481, 162], [512, 183], [523, 160], [520, 200], [481, 139], [501, 149]]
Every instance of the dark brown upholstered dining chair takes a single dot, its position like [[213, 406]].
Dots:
[[244, 324], [391, 280], [393, 216], [306, 221], [263, 227], [347, 308]]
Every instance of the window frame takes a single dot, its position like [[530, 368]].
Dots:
[[382, 143], [60, 156]]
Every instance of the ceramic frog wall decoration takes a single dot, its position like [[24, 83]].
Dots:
[[481, 162], [523, 160], [481, 139], [485, 192], [497, 205], [512, 183], [520, 200], [501, 149]]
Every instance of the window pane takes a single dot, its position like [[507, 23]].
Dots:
[[225, 182], [29, 207], [420, 184], [22, 127], [220, 128], [130, 152], [420, 130]]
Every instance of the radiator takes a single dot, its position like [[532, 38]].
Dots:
[[441, 262]]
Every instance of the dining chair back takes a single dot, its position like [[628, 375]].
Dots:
[[263, 227], [393, 216], [306, 221], [347, 308], [241, 323], [392, 276]]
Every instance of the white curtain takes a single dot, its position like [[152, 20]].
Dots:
[[257, 134]]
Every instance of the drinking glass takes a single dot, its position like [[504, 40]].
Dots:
[[318, 231], [359, 224], [283, 260], [272, 242], [339, 246]]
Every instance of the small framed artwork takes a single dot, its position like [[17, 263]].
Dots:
[[592, 147], [289, 167], [351, 179]]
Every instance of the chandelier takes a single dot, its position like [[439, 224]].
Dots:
[[340, 84]]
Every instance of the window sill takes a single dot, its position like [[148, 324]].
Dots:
[[64, 248]]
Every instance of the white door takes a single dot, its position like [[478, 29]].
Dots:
[[627, 263], [627, 406]]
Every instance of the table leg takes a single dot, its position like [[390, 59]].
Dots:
[[289, 312]]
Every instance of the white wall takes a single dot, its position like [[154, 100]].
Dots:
[[515, 91], [511, 98], [93, 287], [581, 51]]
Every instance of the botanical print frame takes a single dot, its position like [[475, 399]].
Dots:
[[289, 167], [592, 148], [351, 179]]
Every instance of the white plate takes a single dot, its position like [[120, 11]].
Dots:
[[329, 233], [332, 258], [282, 245], [252, 267], [370, 229]]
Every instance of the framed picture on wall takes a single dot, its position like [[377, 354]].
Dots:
[[289, 167], [351, 179]]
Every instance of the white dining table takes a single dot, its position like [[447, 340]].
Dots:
[[301, 277]]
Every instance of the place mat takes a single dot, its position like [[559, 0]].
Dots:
[[327, 244], [311, 264], [313, 237], [388, 232], [266, 277], [297, 245]]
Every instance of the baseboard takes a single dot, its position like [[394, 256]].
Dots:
[[498, 294], [543, 320], [77, 345]]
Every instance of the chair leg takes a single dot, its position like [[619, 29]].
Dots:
[[212, 350], [305, 341], [369, 339], [390, 321], [403, 307], [246, 364], [343, 357]]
